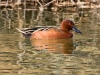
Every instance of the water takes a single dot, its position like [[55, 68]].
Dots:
[[79, 55]]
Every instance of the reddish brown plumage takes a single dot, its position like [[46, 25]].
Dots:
[[52, 33], [55, 33], [49, 32]]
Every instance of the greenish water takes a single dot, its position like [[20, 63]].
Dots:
[[79, 55]]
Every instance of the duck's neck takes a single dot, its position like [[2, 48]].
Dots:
[[64, 28]]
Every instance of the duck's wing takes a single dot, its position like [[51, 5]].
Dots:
[[28, 31]]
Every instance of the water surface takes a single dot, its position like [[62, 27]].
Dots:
[[79, 55]]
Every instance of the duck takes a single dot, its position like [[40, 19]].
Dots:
[[51, 32]]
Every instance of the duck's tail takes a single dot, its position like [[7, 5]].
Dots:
[[25, 32], [21, 31]]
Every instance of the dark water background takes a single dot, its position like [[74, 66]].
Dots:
[[79, 55]]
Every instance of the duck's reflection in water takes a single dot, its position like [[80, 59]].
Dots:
[[64, 46]]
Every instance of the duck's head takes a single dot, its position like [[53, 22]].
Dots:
[[68, 25]]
